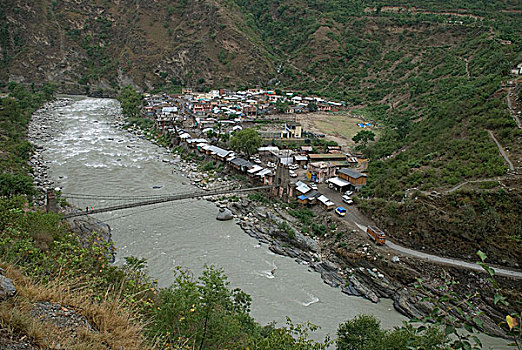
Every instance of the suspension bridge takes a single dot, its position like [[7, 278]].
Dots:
[[140, 201]]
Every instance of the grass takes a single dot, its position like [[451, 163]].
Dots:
[[342, 125], [115, 327]]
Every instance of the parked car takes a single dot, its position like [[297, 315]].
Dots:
[[340, 211], [304, 167], [347, 200], [313, 186], [257, 161], [271, 165], [348, 193], [293, 167], [292, 173]]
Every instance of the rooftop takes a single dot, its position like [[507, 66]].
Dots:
[[351, 173]]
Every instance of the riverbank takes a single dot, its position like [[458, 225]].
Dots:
[[42, 128]]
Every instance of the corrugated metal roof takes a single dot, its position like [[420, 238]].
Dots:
[[351, 173], [338, 182]]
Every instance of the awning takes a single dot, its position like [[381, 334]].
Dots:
[[264, 172], [255, 169], [338, 182]]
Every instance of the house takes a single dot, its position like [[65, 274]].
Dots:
[[302, 199], [266, 150], [325, 203], [306, 149], [252, 171], [301, 188], [312, 196], [241, 164], [300, 159], [355, 178], [333, 149], [324, 107], [266, 176], [319, 171], [292, 131], [250, 110]]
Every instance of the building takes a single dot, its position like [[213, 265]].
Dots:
[[241, 164], [325, 203], [338, 183], [292, 131], [319, 171], [355, 178], [300, 159]]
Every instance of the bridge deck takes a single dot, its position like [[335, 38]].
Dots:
[[164, 199]]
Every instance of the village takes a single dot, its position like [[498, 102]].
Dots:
[[290, 157]]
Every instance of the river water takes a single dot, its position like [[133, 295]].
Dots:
[[91, 156]]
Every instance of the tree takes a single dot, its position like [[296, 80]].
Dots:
[[364, 333], [312, 107], [203, 312], [281, 106], [130, 101], [246, 141], [364, 136]]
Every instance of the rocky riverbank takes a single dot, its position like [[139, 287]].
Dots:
[[43, 127]]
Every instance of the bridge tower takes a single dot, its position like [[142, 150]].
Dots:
[[282, 181], [51, 205]]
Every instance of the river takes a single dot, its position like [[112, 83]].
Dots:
[[89, 155]]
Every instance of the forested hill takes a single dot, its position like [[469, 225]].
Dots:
[[349, 49]]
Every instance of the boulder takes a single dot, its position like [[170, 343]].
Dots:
[[362, 289], [224, 214], [7, 288]]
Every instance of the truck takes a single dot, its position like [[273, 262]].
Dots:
[[376, 235]]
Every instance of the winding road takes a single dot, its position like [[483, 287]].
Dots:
[[354, 216], [446, 261]]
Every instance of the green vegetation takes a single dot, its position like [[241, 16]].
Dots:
[[463, 223], [258, 197], [15, 114], [246, 141], [364, 333]]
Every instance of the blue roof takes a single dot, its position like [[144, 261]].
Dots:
[[341, 209], [302, 197]]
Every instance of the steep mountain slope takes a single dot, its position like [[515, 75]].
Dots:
[[100, 45]]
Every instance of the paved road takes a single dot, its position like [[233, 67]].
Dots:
[[511, 167], [361, 221], [446, 261]]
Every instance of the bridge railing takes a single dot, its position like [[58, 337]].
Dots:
[[153, 199]]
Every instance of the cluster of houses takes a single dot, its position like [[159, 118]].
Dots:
[[207, 115], [224, 111], [335, 168]]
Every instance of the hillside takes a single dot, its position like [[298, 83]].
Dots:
[[97, 46]]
